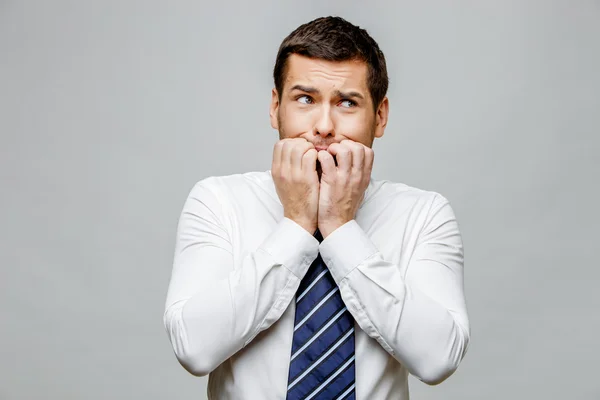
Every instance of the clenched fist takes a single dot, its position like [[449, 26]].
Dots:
[[294, 172], [342, 187]]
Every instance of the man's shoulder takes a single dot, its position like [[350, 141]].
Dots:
[[238, 186], [234, 181], [404, 193]]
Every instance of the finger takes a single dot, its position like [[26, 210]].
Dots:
[[277, 150], [358, 158], [286, 158], [343, 155], [327, 164], [369, 158], [300, 148], [309, 162]]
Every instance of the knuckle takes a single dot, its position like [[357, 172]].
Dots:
[[279, 145]]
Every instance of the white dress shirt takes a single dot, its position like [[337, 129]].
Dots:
[[238, 263]]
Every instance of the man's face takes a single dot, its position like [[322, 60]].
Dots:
[[326, 102]]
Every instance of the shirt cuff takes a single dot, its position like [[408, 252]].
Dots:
[[292, 246], [345, 249]]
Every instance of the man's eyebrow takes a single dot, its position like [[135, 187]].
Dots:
[[336, 93], [306, 89], [348, 95]]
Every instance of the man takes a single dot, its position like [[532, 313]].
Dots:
[[312, 280]]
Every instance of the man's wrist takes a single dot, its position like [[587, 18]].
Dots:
[[310, 227], [328, 227]]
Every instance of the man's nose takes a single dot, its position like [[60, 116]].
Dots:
[[324, 124]]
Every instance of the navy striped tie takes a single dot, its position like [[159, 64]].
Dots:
[[322, 360]]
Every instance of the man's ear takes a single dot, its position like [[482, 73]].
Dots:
[[274, 108], [381, 117]]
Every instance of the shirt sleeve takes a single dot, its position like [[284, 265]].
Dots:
[[212, 309], [419, 318]]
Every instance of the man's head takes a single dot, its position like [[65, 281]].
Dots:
[[330, 84]]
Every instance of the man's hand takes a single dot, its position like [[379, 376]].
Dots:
[[295, 176], [343, 187]]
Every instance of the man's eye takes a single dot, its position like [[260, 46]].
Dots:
[[347, 103], [304, 99]]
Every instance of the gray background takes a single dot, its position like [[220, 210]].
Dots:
[[111, 111]]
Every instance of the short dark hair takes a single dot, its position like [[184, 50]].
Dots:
[[334, 39]]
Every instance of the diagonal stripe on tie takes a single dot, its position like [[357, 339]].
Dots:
[[313, 283], [322, 355], [346, 392], [316, 307], [347, 366], [322, 358], [316, 335], [315, 293]]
